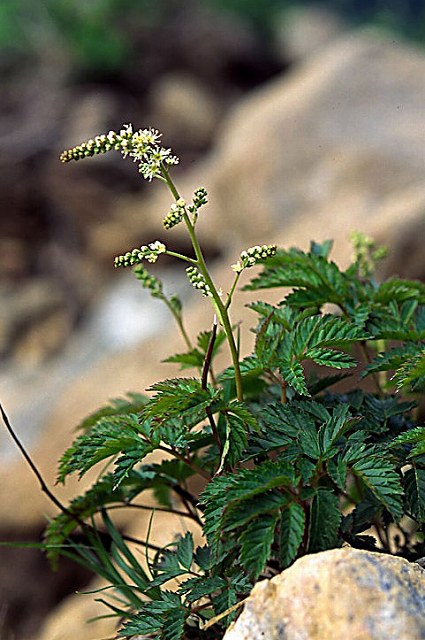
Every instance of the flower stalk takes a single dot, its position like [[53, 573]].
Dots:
[[220, 308]]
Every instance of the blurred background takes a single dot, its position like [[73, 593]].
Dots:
[[71, 69]]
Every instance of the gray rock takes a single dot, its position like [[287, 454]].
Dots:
[[343, 593]]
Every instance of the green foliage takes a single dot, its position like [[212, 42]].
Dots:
[[288, 467], [267, 460]]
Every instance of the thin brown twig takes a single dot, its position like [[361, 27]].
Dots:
[[45, 489]]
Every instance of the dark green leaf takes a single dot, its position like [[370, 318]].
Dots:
[[110, 436], [184, 550], [381, 478], [414, 486], [293, 374], [337, 469], [325, 518], [335, 427], [118, 406], [176, 397], [292, 523], [256, 540], [174, 623], [196, 588], [241, 513]]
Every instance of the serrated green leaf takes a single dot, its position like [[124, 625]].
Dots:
[[248, 366], [247, 483], [241, 513], [134, 403], [308, 439], [187, 360], [391, 359], [334, 428], [256, 540], [174, 623], [365, 513], [151, 616], [204, 338], [411, 372], [414, 487], [282, 418], [202, 557], [244, 484], [321, 249], [292, 523], [110, 436], [184, 550], [306, 469], [235, 442], [414, 435], [330, 358], [325, 518], [381, 478], [196, 588], [293, 374], [399, 290], [337, 470], [177, 397]]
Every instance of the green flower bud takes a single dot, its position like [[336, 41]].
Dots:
[[149, 252], [197, 280], [148, 281], [253, 256], [175, 214]]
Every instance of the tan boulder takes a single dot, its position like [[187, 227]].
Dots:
[[343, 593]]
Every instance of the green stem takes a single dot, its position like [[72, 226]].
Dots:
[[220, 308], [232, 290], [179, 320], [180, 256], [374, 377]]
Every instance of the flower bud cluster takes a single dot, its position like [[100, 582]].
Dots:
[[149, 252], [200, 197], [197, 280], [142, 145], [148, 281], [253, 256], [98, 144], [175, 214]]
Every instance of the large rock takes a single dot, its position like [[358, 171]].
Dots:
[[344, 593]]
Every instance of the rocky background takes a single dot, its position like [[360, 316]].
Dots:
[[300, 128]]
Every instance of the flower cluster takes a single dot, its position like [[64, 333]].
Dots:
[[197, 280], [149, 252], [175, 214], [253, 256], [142, 145], [148, 281]]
